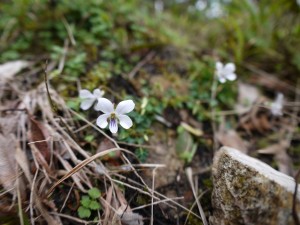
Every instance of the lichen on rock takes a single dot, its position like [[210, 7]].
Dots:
[[247, 191]]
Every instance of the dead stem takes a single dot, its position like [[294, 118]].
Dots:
[[213, 111], [189, 174]]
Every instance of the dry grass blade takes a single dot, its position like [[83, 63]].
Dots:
[[68, 167], [81, 165], [106, 205], [152, 200], [193, 205], [35, 200], [189, 174], [124, 212]]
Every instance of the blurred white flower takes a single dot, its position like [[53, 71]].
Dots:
[[225, 72], [113, 116], [277, 105], [88, 98]]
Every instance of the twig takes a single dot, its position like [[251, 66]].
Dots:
[[146, 193], [213, 112], [152, 193], [193, 205], [95, 127], [156, 202], [62, 60], [72, 218], [68, 195], [69, 30], [81, 165], [148, 57], [19, 202]]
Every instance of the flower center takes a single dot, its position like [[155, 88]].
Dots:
[[113, 119], [113, 116]]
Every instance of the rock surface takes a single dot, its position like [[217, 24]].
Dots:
[[248, 191]]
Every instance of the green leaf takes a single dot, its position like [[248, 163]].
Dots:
[[83, 212], [185, 146], [89, 138], [94, 193], [94, 205], [85, 201]]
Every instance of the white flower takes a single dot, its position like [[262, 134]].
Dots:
[[113, 116], [225, 72], [277, 105], [88, 98]]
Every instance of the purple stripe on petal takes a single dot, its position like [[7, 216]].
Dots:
[[113, 125]]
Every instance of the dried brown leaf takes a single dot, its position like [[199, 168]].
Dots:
[[8, 124], [8, 169], [39, 134], [232, 139], [127, 217], [9, 69], [256, 119], [36, 199], [279, 151]]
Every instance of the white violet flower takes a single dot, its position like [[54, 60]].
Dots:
[[113, 116], [89, 98], [277, 105], [225, 72]]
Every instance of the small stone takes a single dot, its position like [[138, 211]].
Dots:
[[248, 191]]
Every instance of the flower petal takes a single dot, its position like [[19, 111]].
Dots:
[[219, 66], [222, 79], [85, 94], [98, 93], [104, 105], [229, 68], [231, 76], [125, 121], [102, 120], [125, 107], [279, 98], [87, 103], [113, 125], [276, 109]]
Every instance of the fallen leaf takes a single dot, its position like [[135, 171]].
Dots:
[[38, 134], [279, 151], [107, 144], [256, 119], [9, 69], [247, 96], [232, 139], [8, 168], [8, 124], [128, 217]]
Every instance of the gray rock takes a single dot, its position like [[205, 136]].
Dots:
[[248, 191]]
